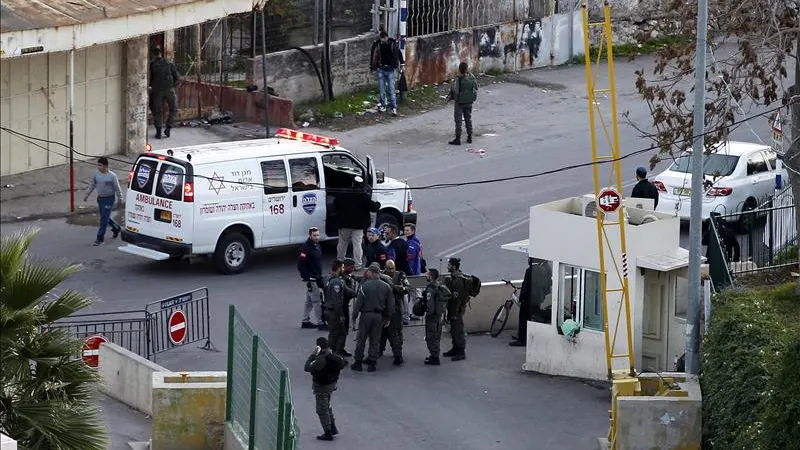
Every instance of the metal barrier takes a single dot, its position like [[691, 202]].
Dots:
[[128, 329], [163, 325], [178, 320]]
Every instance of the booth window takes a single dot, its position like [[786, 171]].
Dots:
[[681, 297], [581, 297], [541, 282]]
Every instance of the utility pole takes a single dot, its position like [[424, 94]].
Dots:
[[696, 219], [264, 67]]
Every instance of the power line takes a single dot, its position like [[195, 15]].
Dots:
[[438, 185]]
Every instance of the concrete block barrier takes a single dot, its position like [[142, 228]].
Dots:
[[481, 310], [127, 377], [6, 443]]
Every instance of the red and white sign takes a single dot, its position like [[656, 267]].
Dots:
[[609, 200], [177, 327], [91, 350]]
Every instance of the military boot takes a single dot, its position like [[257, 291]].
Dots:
[[432, 361], [345, 353], [398, 361], [357, 366], [327, 436], [469, 138], [460, 356], [449, 353], [334, 430], [167, 130], [456, 141], [158, 132], [371, 366]]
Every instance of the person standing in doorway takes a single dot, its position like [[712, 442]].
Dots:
[[353, 210], [464, 92], [163, 79], [375, 305], [644, 188], [325, 365], [309, 264], [385, 58], [108, 193]]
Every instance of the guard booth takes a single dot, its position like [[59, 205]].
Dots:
[[563, 250]]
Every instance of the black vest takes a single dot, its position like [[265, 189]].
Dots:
[[330, 372]]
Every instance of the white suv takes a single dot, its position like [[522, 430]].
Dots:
[[738, 176]]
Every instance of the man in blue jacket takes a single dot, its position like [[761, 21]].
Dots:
[[309, 264], [414, 249]]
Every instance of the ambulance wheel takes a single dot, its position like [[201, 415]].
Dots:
[[232, 254], [385, 219]]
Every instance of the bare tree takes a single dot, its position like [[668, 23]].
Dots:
[[747, 75]]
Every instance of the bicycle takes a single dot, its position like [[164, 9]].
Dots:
[[501, 316]]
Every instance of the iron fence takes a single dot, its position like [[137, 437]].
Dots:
[[753, 240], [260, 410], [128, 329], [436, 16], [193, 324]]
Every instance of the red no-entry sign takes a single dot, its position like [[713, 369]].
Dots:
[[177, 327], [609, 200], [91, 350]]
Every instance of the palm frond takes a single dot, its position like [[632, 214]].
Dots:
[[13, 249], [32, 281], [67, 304]]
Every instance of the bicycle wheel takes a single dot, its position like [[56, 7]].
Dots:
[[499, 321]]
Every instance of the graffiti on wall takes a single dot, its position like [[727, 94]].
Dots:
[[487, 43], [530, 41], [436, 58]]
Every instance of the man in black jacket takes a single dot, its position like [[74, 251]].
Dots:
[[353, 210], [163, 79], [325, 367], [644, 188], [397, 249], [375, 251], [385, 58], [309, 264]]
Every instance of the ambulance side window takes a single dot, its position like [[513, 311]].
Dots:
[[305, 174], [143, 176], [274, 173], [170, 182]]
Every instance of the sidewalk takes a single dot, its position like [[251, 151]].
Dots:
[[123, 423]]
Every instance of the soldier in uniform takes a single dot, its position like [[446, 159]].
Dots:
[[375, 305], [352, 281], [163, 78], [459, 285], [336, 291], [394, 332], [436, 297], [324, 367]]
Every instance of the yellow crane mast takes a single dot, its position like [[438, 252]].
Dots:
[[610, 212]]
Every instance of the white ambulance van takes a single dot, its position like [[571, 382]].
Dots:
[[226, 199]]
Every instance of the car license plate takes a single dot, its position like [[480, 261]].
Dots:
[[166, 216], [682, 191]]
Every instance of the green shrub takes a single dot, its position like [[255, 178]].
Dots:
[[750, 372], [787, 255]]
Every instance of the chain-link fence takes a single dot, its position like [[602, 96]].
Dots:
[[259, 409], [215, 52]]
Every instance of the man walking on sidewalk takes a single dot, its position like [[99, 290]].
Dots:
[[108, 191], [463, 91], [385, 57]]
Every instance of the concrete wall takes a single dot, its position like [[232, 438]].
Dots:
[[429, 59], [552, 224], [661, 423], [478, 318], [292, 75], [188, 410], [127, 377], [506, 47], [6, 443]]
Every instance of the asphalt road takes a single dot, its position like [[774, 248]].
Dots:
[[485, 402]]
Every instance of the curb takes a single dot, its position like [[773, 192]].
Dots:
[[52, 215]]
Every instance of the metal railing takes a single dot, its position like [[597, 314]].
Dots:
[[259, 410], [436, 16], [754, 240], [128, 329]]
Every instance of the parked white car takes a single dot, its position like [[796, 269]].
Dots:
[[738, 176]]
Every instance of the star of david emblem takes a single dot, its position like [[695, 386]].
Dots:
[[216, 183]]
